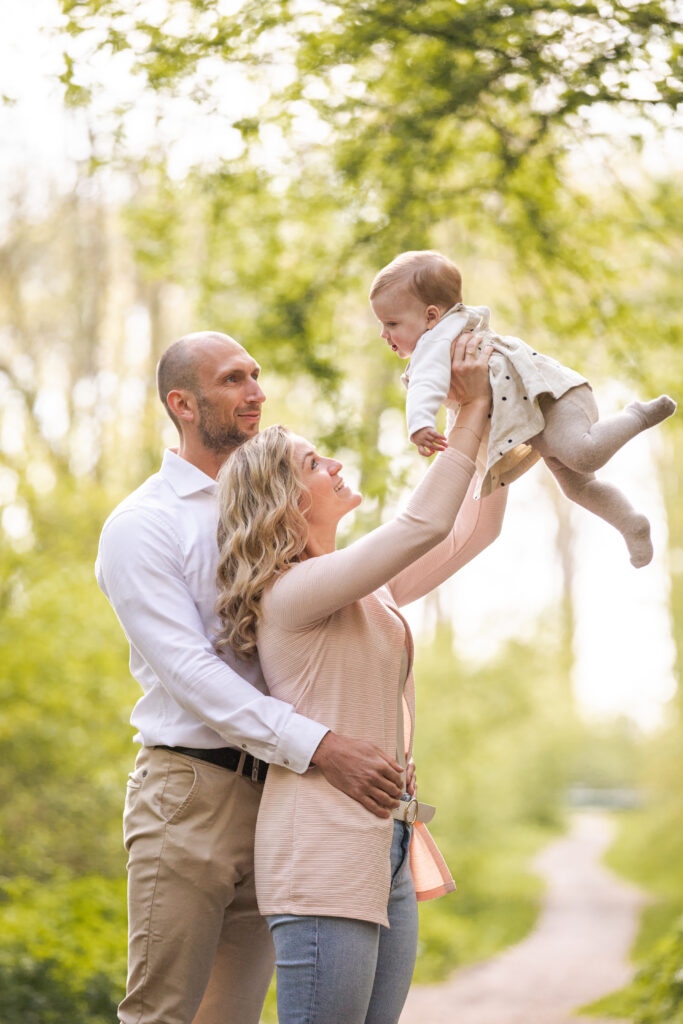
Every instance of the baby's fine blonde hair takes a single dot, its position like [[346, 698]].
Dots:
[[431, 277], [261, 531]]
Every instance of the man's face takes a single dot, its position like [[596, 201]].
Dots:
[[230, 397]]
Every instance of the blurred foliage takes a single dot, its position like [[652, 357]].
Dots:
[[649, 848], [492, 751], [658, 988], [609, 756], [656, 993], [62, 950], [672, 485], [65, 696], [519, 66], [439, 112]]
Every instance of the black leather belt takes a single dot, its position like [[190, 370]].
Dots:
[[225, 757]]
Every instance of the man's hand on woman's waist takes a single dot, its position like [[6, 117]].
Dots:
[[362, 771]]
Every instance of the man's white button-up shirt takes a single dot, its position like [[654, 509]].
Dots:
[[157, 566]]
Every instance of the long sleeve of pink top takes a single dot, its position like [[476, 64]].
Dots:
[[413, 553]]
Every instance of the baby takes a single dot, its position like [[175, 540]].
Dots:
[[540, 409]]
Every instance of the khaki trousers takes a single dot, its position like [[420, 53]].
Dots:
[[198, 949]]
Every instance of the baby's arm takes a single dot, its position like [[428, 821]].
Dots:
[[430, 380]]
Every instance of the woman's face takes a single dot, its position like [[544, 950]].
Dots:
[[331, 498]]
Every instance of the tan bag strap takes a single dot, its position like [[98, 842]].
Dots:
[[411, 810], [400, 732]]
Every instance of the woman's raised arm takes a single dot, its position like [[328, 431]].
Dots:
[[319, 586], [477, 525], [315, 588]]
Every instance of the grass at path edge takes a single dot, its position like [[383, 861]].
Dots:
[[647, 851]]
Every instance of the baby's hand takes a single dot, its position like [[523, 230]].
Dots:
[[428, 441]]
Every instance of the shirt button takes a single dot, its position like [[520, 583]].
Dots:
[[244, 746], [286, 761]]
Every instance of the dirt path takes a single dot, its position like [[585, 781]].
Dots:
[[577, 952]]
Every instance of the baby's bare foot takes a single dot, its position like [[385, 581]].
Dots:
[[638, 541], [651, 413]]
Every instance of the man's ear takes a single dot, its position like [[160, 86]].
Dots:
[[182, 404]]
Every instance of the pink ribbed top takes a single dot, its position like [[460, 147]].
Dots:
[[331, 643]]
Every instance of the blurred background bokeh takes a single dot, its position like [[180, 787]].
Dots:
[[247, 166]]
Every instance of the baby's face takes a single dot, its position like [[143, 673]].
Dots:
[[404, 319]]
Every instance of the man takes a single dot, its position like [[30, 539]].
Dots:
[[198, 949]]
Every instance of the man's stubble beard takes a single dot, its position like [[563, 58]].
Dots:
[[216, 436]]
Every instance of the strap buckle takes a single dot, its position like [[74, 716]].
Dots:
[[410, 813]]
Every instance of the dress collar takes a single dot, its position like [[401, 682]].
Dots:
[[459, 307]]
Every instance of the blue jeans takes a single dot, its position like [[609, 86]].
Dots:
[[336, 970]]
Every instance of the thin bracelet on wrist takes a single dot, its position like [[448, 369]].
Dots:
[[469, 431]]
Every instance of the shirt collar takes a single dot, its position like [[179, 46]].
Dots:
[[184, 477]]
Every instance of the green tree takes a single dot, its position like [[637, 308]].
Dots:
[[431, 105]]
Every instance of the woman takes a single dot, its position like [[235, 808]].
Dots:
[[335, 881]]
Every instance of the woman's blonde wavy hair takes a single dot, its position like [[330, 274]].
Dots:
[[261, 531]]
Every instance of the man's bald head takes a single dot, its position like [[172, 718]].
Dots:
[[179, 368]]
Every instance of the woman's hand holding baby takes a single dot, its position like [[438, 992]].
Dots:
[[470, 374], [471, 387]]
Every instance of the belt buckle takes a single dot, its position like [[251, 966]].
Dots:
[[410, 813]]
